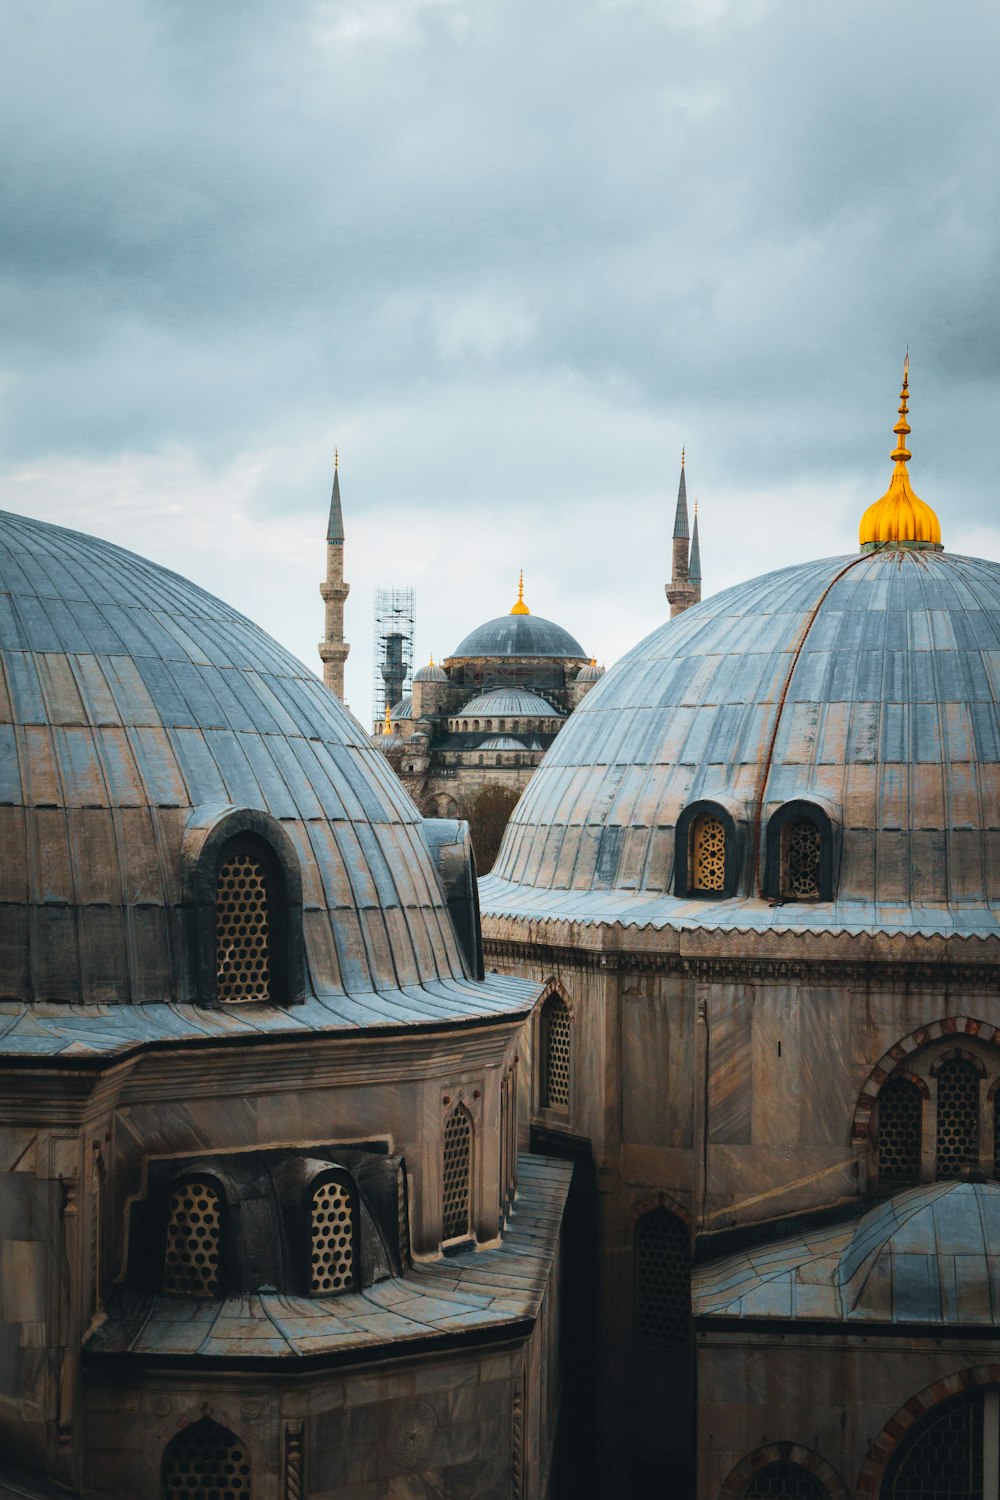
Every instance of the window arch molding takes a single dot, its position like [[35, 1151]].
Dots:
[[208, 836], [899, 1426], [799, 810], [954, 1027], [730, 815], [813, 1463]]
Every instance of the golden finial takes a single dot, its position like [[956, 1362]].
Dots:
[[593, 661], [336, 459], [682, 457], [520, 608], [900, 517], [431, 662], [387, 722]]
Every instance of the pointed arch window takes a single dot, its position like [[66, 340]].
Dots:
[[953, 1451], [206, 1462], [958, 1087], [557, 1053], [456, 1205], [900, 1130], [192, 1255], [332, 1230], [248, 902], [662, 1276]]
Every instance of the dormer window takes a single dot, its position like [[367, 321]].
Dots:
[[801, 848], [707, 858], [244, 927], [332, 1220], [193, 1250], [799, 853]]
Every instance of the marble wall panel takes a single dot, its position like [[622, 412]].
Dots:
[[729, 1088], [657, 1068]]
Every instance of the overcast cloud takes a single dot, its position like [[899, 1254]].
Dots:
[[509, 255]]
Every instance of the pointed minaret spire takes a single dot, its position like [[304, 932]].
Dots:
[[680, 591], [333, 648], [694, 560]]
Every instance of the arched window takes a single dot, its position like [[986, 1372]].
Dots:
[[662, 1280], [456, 1203], [499, 760], [206, 1462], [482, 761], [465, 726], [331, 1238], [783, 1480], [475, 726], [900, 1122], [952, 1452], [557, 1053], [957, 1115], [489, 723], [801, 857], [192, 1255], [708, 854], [247, 907]]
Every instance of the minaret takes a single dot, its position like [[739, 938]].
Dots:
[[679, 591], [694, 562], [333, 648]]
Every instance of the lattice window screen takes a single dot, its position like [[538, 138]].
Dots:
[[457, 1198], [784, 1481], [957, 1117], [205, 1462], [557, 1037], [191, 1262], [708, 854], [943, 1459], [803, 848], [662, 1279], [332, 1249], [243, 931], [900, 1121]]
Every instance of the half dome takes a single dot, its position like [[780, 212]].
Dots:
[[506, 703], [868, 685]]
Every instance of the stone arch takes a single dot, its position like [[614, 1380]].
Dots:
[[899, 1425], [167, 1427], [554, 986], [957, 1026], [792, 1453], [658, 1199]]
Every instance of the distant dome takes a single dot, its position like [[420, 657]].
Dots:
[[502, 742], [431, 673], [869, 683], [590, 673], [507, 703], [138, 714], [386, 742], [520, 635], [403, 709]]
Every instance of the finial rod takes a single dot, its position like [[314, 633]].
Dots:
[[336, 459]]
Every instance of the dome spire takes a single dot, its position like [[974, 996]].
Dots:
[[900, 518], [519, 607]]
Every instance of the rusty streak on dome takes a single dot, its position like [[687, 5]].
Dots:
[[900, 518]]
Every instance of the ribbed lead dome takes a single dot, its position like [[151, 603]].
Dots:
[[869, 684], [134, 705], [520, 635]]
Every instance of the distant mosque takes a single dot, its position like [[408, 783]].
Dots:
[[490, 712]]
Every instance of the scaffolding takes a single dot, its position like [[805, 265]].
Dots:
[[393, 653]]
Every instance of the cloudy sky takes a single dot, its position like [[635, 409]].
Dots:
[[509, 256]]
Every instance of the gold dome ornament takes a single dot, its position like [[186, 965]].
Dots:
[[900, 518], [519, 606]]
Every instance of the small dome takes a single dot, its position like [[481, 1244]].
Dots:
[[509, 703], [591, 673], [503, 742], [520, 635], [403, 709], [387, 742], [431, 673]]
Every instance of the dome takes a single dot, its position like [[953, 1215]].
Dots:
[[868, 685], [386, 742], [520, 635], [142, 718], [430, 673], [509, 703], [403, 709], [929, 1255], [590, 673], [502, 742]]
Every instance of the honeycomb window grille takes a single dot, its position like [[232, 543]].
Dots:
[[784, 1480], [957, 1116], [457, 1177], [803, 854], [945, 1457], [193, 1250], [331, 1239], [900, 1127], [244, 929], [557, 1053], [708, 854], [205, 1462], [662, 1280]]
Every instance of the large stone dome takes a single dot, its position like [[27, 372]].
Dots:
[[138, 717], [866, 685], [519, 635]]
